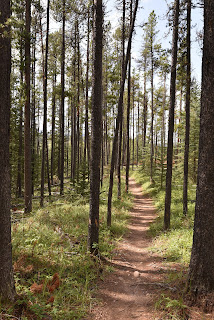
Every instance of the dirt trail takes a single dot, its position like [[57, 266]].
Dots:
[[128, 293], [138, 280]]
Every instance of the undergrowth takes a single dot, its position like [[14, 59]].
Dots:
[[55, 275], [174, 245]]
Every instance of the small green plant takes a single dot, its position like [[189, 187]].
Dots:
[[172, 308], [82, 182]]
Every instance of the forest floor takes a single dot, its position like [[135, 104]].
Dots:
[[139, 277]]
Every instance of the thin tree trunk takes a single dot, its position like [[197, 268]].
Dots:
[[33, 116], [74, 135], [188, 85], [128, 127], [133, 119], [78, 102], [118, 120], [144, 109], [96, 122], [121, 123], [171, 117], [138, 127], [62, 107], [53, 125], [19, 165], [163, 132], [44, 140], [152, 116], [27, 140], [86, 148]]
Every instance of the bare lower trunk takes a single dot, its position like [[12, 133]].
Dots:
[[171, 117], [96, 122], [27, 140], [188, 84], [119, 117], [201, 275], [7, 288]]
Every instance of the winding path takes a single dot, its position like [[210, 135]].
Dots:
[[128, 293]]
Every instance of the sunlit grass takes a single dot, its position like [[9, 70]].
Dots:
[[176, 243], [54, 240]]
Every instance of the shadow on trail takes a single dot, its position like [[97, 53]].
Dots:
[[128, 292]]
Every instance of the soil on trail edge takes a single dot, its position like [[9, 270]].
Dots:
[[128, 292]]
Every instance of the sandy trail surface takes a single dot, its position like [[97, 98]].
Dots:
[[128, 292], [139, 275]]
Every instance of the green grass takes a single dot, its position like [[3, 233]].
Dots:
[[174, 309], [173, 245], [54, 240]]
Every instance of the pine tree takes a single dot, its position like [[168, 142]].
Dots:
[[201, 272], [27, 138], [7, 288], [96, 122], [171, 116]]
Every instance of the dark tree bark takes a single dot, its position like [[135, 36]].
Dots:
[[152, 112], [78, 99], [163, 131], [187, 109], [27, 136], [144, 106], [171, 116], [119, 118], [96, 123], [133, 122], [33, 113], [201, 274], [73, 116], [53, 124], [19, 164], [128, 127], [138, 127], [121, 123], [62, 107], [44, 140], [7, 288], [86, 145]]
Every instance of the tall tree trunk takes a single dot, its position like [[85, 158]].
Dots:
[[27, 140], [53, 125], [201, 274], [44, 140], [7, 288], [96, 122], [171, 117], [62, 107], [163, 131], [78, 100], [119, 117], [133, 119], [128, 127], [33, 115], [188, 85], [144, 109], [19, 164], [152, 115], [138, 127], [121, 123], [73, 113], [86, 147]]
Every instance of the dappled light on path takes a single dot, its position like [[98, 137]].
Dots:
[[129, 292]]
